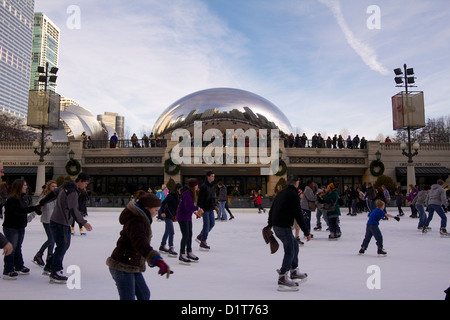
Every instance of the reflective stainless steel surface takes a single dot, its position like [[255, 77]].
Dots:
[[220, 105]]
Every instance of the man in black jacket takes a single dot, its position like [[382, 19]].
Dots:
[[285, 208], [207, 201]]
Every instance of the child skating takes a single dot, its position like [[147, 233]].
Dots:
[[372, 228]]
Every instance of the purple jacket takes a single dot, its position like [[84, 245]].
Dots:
[[186, 207]]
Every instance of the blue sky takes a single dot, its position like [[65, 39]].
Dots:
[[317, 60]]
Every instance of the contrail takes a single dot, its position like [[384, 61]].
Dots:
[[367, 54]]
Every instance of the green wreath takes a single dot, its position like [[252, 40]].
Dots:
[[283, 169], [168, 164], [376, 164], [73, 163]]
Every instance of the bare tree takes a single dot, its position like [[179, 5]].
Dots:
[[436, 130], [14, 129]]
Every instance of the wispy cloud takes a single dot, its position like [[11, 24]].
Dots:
[[367, 54]]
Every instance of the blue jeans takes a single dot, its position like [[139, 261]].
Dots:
[[208, 223], [431, 209], [222, 212], [422, 215], [372, 230], [49, 244], [168, 232], [290, 245], [14, 261], [61, 235], [130, 285], [307, 217]]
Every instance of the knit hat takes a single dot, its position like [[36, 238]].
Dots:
[[149, 200], [332, 186], [82, 176], [192, 183]]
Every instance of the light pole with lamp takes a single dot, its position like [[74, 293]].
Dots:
[[410, 116], [42, 118]]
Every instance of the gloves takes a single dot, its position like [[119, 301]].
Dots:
[[397, 218], [163, 268]]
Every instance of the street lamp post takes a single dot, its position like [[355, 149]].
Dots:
[[403, 79], [46, 76]]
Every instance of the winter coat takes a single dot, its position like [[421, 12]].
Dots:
[[47, 210], [332, 198], [16, 211], [285, 209], [186, 207], [207, 196], [67, 204], [223, 194], [133, 248], [421, 198], [257, 199], [437, 195], [170, 205], [308, 196]]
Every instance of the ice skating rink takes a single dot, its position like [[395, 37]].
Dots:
[[239, 265]]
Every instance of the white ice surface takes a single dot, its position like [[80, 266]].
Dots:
[[240, 266]]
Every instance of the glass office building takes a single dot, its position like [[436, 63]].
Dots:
[[45, 49], [16, 34]]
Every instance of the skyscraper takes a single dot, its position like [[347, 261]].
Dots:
[[16, 32], [45, 49]]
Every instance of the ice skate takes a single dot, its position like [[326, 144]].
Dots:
[[163, 249], [192, 257], [381, 252], [184, 259], [204, 246], [172, 252], [285, 283], [38, 260], [361, 251], [299, 242], [295, 274], [443, 232], [57, 277], [24, 271], [332, 237], [10, 276]]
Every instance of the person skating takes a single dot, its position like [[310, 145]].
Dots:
[[14, 224], [420, 202], [372, 229], [284, 210], [66, 210], [185, 210], [436, 199], [168, 212], [47, 211], [331, 206], [133, 250], [207, 201]]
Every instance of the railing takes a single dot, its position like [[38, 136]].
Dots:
[[29, 145], [329, 144], [424, 146], [102, 144]]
